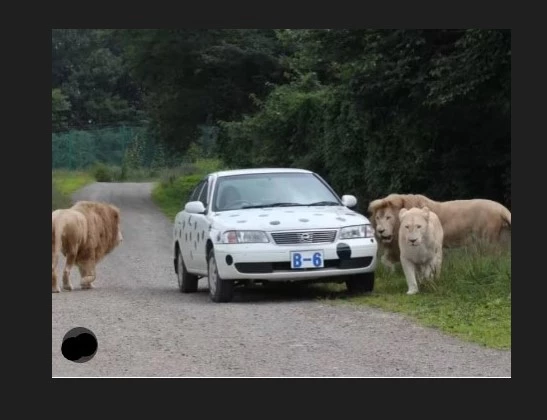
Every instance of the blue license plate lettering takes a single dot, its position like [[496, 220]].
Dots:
[[307, 259]]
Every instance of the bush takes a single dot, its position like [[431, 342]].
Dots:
[[171, 196], [102, 173], [176, 184]]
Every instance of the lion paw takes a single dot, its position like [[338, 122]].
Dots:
[[67, 287], [411, 292], [86, 286], [55, 290]]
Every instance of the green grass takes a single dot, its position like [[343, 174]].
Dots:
[[471, 299], [64, 183], [176, 184], [170, 197], [68, 182]]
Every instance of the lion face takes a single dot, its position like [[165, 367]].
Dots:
[[413, 225], [385, 220], [116, 218]]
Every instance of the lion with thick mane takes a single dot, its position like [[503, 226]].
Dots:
[[421, 246], [85, 233], [462, 221]]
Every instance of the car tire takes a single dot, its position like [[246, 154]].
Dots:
[[188, 283], [219, 290], [360, 283]]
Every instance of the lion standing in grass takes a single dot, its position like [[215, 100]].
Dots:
[[462, 221], [421, 246], [85, 233]]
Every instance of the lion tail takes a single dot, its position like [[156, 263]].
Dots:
[[57, 227], [506, 217]]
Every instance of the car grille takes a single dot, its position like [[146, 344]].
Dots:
[[304, 237]]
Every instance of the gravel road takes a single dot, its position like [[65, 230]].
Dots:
[[146, 327]]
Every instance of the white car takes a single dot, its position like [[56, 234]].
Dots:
[[262, 225]]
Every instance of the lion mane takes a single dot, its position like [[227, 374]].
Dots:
[[462, 220]]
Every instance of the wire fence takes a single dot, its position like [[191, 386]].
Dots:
[[77, 149], [116, 145]]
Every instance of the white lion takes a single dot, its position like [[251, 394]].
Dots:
[[463, 221], [421, 245]]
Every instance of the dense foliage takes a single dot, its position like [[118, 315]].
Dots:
[[374, 111]]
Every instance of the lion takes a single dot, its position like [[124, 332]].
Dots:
[[463, 221], [421, 245], [85, 233]]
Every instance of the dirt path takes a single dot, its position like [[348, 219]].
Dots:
[[145, 327]]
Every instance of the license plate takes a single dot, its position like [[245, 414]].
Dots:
[[307, 259]]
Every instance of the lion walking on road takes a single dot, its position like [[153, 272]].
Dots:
[[85, 233]]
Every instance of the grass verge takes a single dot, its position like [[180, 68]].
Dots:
[[470, 300], [68, 182], [172, 191], [64, 183]]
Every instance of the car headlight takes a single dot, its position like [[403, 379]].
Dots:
[[358, 231], [244, 237]]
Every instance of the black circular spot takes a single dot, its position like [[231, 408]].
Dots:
[[229, 259], [79, 345], [343, 251], [303, 220], [275, 222]]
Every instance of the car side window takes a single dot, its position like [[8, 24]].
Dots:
[[203, 194], [195, 194]]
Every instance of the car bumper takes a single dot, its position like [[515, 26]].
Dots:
[[272, 262]]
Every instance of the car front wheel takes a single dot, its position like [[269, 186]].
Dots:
[[219, 290], [188, 283], [360, 283]]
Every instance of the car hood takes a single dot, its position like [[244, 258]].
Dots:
[[288, 218]]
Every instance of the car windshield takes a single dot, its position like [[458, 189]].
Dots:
[[271, 190]]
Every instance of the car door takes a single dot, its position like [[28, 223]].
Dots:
[[198, 230], [187, 225], [202, 228]]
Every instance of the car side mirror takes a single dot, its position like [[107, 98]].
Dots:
[[194, 207], [349, 201]]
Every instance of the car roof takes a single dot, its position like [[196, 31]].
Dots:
[[259, 171]]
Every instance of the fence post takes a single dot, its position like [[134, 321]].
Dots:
[[69, 151], [123, 132]]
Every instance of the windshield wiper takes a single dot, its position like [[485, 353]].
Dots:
[[260, 206], [323, 203]]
